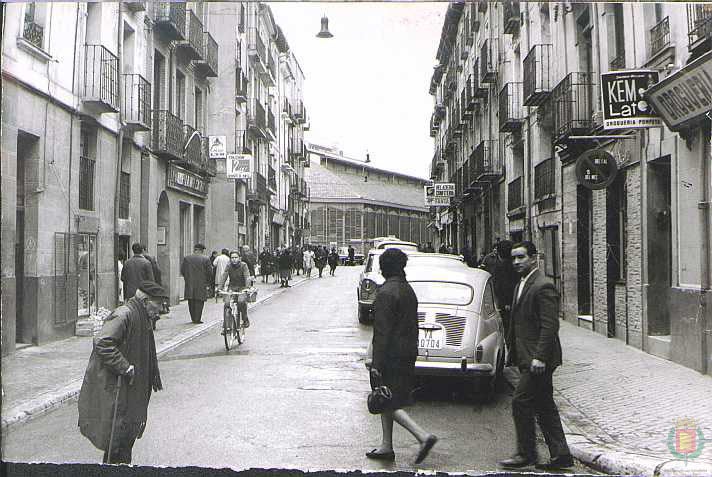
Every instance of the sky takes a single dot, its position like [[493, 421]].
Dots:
[[366, 89]]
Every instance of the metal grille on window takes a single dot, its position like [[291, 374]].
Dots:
[[124, 195], [544, 180], [86, 174]]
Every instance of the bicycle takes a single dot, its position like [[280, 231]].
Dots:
[[233, 318]]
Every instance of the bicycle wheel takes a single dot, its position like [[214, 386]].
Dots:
[[228, 336], [239, 328]]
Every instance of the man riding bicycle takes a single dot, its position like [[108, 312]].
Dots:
[[239, 278]]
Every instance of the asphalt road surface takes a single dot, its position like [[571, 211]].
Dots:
[[292, 396]]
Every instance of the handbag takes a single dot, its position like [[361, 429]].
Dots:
[[379, 399]]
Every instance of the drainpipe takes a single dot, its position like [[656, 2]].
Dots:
[[119, 154], [644, 240], [704, 207]]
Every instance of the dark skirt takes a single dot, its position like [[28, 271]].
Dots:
[[400, 379]]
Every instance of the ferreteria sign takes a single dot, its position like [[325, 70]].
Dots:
[[623, 104], [186, 181], [686, 96]]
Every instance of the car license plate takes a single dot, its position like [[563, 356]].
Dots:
[[431, 338]]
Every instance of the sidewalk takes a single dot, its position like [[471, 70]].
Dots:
[[37, 379], [620, 407]]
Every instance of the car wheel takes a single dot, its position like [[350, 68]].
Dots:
[[485, 387], [364, 314]]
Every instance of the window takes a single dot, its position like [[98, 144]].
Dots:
[[551, 252], [488, 307], [617, 47], [124, 195], [544, 180], [33, 25], [180, 95], [443, 293], [87, 149], [199, 110]]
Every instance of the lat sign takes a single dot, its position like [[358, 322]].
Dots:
[[623, 104], [433, 200], [238, 166]]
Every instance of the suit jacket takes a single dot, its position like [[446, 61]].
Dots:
[[395, 325], [155, 268], [535, 323], [136, 269], [198, 272]]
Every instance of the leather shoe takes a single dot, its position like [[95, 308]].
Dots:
[[387, 456], [517, 461], [425, 448], [556, 463]]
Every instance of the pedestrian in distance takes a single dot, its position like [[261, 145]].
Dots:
[[157, 276], [429, 248], [536, 351], [395, 349], [298, 252], [489, 261], [265, 259], [249, 258], [198, 275], [120, 259], [219, 265], [352, 254], [333, 260], [443, 248], [274, 265], [308, 261], [136, 270], [285, 267], [121, 374], [504, 279], [320, 259]]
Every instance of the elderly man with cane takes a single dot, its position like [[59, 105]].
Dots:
[[122, 373]]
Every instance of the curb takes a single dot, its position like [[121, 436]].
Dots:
[[49, 401], [603, 457]]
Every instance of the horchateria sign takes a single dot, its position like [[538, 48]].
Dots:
[[686, 96], [623, 104]]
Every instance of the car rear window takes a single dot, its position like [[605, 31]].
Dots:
[[373, 265], [443, 293]]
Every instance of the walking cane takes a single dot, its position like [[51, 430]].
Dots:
[[113, 420]]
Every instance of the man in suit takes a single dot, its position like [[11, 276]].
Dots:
[[536, 351], [136, 270], [198, 273]]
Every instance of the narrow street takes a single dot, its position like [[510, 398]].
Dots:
[[292, 396]]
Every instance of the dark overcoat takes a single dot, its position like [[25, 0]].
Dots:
[[125, 338], [535, 323], [136, 269], [197, 272], [395, 325]]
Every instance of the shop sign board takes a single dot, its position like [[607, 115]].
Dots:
[[596, 169], [684, 97], [238, 166], [444, 189], [217, 147], [624, 106], [186, 181], [433, 200]]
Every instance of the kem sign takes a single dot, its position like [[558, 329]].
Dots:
[[623, 104]]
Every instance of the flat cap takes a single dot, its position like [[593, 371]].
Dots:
[[152, 289]]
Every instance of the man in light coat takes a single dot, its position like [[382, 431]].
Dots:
[[123, 369], [198, 274], [220, 264]]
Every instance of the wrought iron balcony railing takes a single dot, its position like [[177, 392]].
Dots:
[[167, 135], [136, 99], [256, 50], [618, 63], [511, 112], [515, 195], [101, 79], [699, 24], [193, 157], [192, 46], [272, 178], [256, 120], [537, 75], [660, 36], [572, 101], [456, 120], [33, 33], [242, 143], [511, 16], [262, 191], [489, 56], [271, 76], [271, 126], [170, 18], [488, 163], [240, 85], [207, 65], [469, 98], [287, 109]]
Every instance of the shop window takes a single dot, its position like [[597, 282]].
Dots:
[[87, 287]]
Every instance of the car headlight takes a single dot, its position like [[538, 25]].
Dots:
[[368, 289]]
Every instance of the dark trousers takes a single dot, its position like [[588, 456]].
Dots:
[[534, 398], [195, 307], [331, 269], [120, 450]]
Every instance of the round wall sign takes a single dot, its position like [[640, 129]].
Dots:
[[596, 169]]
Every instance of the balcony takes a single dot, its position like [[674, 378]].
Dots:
[[511, 17], [618, 63], [193, 157], [192, 46], [271, 127], [256, 120], [660, 36], [287, 110], [170, 19], [699, 25], [167, 135], [511, 113], [515, 197], [469, 98], [272, 179], [300, 113], [210, 164], [242, 143], [136, 6], [480, 90], [487, 161], [270, 73], [34, 33], [537, 75], [101, 80], [262, 191], [489, 56], [572, 100], [240, 86], [207, 65], [456, 121], [257, 51], [433, 126], [136, 102]]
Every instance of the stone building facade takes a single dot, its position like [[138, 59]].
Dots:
[[517, 101]]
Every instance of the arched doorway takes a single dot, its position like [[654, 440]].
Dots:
[[163, 222]]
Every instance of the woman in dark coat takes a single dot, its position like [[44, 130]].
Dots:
[[320, 259], [395, 349], [333, 261]]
